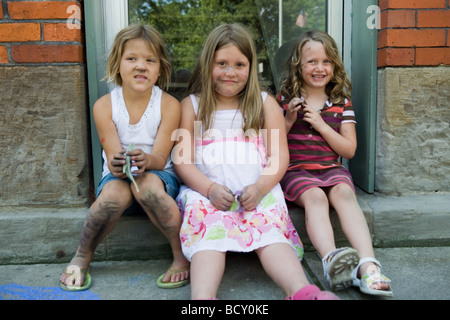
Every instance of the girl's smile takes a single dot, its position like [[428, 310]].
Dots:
[[317, 69]]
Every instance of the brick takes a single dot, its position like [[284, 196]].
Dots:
[[412, 38], [412, 4], [20, 32], [47, 53], [61, 32], [433, 19], [3, 54], [432, 56], [382, 38], [398, 19], [1, 12], [40, 9], [395, 57]]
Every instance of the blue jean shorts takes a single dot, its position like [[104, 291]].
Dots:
[[171, 184]]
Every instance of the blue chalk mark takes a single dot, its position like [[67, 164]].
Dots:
[[19, 292], [136, 279]]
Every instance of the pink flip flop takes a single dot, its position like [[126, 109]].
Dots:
[[312, 292]]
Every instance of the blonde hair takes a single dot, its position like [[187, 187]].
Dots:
[[339, 87], [155, 42], [250, 101]]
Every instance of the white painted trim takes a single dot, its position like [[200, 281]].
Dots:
[[115, 17], [347, 41], [335, 21], [340, 28]]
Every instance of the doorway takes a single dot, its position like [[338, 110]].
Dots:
[[184, 25]]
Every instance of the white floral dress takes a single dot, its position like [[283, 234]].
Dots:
[[233, 159]]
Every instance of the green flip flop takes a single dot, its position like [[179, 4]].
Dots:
[[171, 285], [86, 285]]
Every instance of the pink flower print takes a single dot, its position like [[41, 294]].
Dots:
[[195, 223], [244, 238], [200, 215], [228, 222], [261, 223], [238, 230], [246, 231]]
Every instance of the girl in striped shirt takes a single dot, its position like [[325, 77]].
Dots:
[[320, 122]]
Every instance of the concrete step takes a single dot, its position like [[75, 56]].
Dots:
[[46, 235]]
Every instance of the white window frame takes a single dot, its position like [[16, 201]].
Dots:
[[115, 17], [340, 28]]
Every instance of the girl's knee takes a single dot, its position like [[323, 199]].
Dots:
[[150, 193], [111, 202], [114, 197], [314, 196], [156, 200], [108, 207], [149, 184], [342, 191]]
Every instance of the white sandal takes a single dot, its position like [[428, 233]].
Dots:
[[338, 266], [368, 279]]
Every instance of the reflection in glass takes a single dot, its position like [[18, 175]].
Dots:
[[185, 24]]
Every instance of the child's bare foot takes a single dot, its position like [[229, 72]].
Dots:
[[76, 275], [176, 276]]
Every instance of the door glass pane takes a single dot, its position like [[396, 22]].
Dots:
[[185, 24]]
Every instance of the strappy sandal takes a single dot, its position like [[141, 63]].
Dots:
[[368, 279], [338, 266]]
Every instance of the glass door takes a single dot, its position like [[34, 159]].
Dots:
[[186, 23]]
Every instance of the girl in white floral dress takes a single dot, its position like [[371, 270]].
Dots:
[[231, 154]]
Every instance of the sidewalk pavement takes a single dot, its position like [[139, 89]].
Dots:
[[410, 233], [419, 273]]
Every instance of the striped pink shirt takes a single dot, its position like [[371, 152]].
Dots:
[[308, 150]]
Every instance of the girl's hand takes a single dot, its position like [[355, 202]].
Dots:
[[117, 163], [138, 159], [293, 107], [220, 196], [313, 117], [250, 197]]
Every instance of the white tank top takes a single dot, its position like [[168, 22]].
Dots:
[[236, 119], [142, 134]]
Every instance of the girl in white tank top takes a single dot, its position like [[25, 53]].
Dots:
[[136, 112]]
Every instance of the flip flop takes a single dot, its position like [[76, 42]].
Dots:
[[171, 285], [86, 284]]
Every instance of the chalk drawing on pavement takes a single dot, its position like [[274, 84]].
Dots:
[[19, 292]]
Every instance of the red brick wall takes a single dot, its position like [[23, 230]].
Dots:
[[41, 32], [414, 33]]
